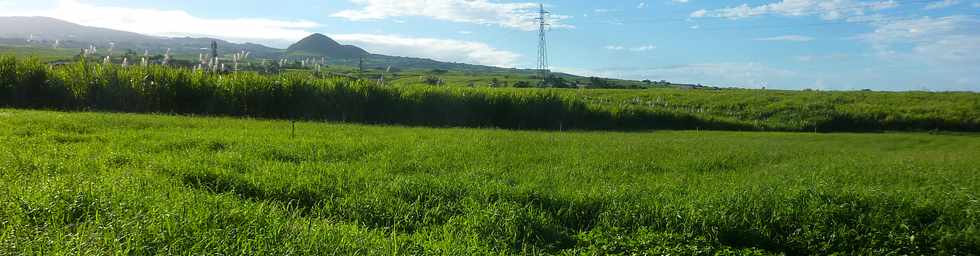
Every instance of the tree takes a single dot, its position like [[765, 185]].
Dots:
[[595, 82], [131, 55], [431, 80], [522, 84], [556, 82]]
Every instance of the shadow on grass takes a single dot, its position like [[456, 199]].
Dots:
[[514, 220]]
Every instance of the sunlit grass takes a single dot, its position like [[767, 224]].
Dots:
[[149, 184]]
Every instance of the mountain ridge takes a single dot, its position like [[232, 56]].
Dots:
[[70, 35]]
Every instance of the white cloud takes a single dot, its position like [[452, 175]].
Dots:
[[788, 38], [976, 5], [641, 5], [171, 22], [829, 10], [511, 15], [465, 32], [438, 49], [950, 41], [829, 57], [699, 13], [941, 4], [916, 30], [641, 48], [680, 1], [952, 49], [614, 22]]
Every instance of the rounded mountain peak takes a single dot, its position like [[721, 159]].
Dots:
[[317, 39], [320, 45]]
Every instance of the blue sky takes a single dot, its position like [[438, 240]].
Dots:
[[788, 44]]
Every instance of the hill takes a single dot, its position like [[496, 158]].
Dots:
[[319, 45], [50, 29], [47, 31]]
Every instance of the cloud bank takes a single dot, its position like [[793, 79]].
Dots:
[[438, 49], [828, 10], [510, 15]]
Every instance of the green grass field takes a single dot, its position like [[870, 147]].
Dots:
[[99, 183], [797, 110], [43, 54]]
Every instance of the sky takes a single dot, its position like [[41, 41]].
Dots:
[[890, 45]]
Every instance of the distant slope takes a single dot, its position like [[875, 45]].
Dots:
[[319, 45], [71, 35], [50, 29], [379, 61]]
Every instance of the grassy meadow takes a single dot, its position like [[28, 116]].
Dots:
[[104, 183], [43, 54]]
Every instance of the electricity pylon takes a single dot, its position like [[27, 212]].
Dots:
[[542, 43]]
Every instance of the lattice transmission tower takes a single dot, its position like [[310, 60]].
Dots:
[[543, 24]]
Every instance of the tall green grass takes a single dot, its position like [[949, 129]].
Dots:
[[156, 89], [97, 183]]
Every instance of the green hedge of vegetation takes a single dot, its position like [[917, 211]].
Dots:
[[86, 86], [155, 89]]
